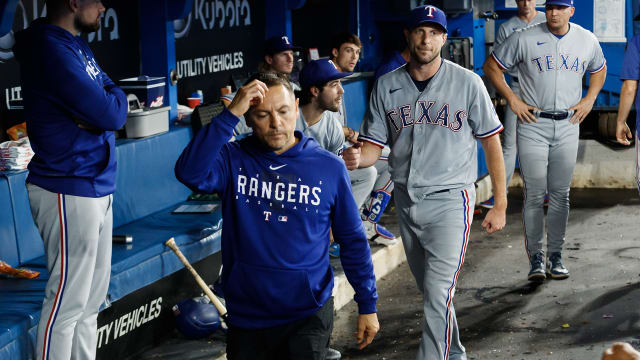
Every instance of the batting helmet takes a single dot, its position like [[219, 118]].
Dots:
[[196, 318]]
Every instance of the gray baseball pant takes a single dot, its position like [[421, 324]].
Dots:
[[509, 148], [362, 181], [77, 241], [547, 152], [435, 234]]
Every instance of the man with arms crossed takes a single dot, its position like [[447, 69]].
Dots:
[[527, 15], [71, 108], [551, 59], [430, 112], [281, 195]]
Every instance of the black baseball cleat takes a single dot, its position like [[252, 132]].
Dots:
[[555, 269], [537, 268]]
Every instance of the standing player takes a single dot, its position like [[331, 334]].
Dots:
[[551, 59], [629, 91], [71, 108], [282, 194], [432, 127], [345, 54], [394, 61], [527, 15]]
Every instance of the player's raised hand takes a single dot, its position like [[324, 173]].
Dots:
[[351, 156], [522, 110], [251, 94], [494, 221], [623, 133], [368, 327], [582, 109]]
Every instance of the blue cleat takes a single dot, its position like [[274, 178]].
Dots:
[[555, 269], [487, 204], [537, 268], [334, 250]]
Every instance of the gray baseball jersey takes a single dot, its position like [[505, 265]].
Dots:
[[516, 23], [432, 134], [327, 132], [551, 69]]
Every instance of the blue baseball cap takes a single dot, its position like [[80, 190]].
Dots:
[[319, 72], [278, 44], [559, 2], [427, 14]]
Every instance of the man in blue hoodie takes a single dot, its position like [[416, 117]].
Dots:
[[71, 108], [281, 194]]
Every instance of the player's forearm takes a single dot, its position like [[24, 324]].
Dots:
[[627, 95], [596, 82], [369, 155], [495, 163], [497, 79]]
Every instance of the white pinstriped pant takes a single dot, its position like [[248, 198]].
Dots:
[[77, 240], [435, 233]]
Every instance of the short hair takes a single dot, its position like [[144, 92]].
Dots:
[[343, 38], [305, 94], [271, 78]]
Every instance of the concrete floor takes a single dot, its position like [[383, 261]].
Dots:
[[501, 315]]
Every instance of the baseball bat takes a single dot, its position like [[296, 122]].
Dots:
[[214, 299]]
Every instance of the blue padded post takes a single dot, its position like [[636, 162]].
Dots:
[[157, 42], [7, 11]]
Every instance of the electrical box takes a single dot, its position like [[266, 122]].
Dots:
[[459, 51]]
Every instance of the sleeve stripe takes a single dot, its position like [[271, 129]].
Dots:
[[500, 63], [373, 141], [599, 69], [490, 133]]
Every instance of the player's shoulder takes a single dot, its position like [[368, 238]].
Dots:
[[583, 32], [389, 79], [320, 158], [457, 71], [532, 30]]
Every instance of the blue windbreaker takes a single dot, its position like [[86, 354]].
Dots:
[[71, 108], [277, 212]]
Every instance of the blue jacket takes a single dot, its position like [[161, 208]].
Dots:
[[277, 212], [71, 108]]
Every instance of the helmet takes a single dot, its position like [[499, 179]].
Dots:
[[196, 318]]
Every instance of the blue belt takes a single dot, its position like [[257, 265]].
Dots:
[[554, 115]]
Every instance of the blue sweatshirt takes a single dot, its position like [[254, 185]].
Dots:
[[71, 108], [277, 212]]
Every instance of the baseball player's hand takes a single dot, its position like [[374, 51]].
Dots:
[[353, 136], [620, 351], [623, 133], [368, 327], [582, 109], [522, 110], [494, 221], [351, 156], [249, 95]]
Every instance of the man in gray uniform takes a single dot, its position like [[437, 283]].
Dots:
[[527, 15], [345, 54], [320, 100], [431, 113], [551, 59]]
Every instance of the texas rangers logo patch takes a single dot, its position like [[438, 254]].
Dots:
[[430, 10]]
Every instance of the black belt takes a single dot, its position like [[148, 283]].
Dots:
[[554, 115], [515, 79]]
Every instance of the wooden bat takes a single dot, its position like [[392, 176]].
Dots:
[[214, 299]]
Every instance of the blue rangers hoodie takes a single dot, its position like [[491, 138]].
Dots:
[[71, 108], [278, 210]]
